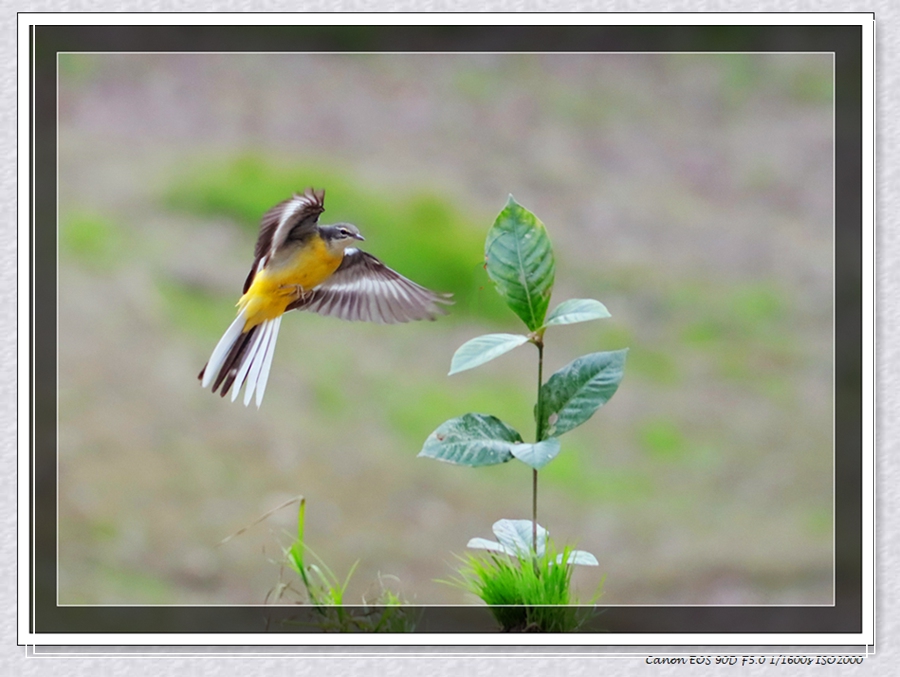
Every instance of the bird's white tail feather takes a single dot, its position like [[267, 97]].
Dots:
[[267, 362], [223, 347], [247, 361], [258, 359]]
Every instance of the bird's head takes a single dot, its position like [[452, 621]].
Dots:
[[340, 235]]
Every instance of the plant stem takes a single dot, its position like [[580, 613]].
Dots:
[[538, 432], [534, 510]]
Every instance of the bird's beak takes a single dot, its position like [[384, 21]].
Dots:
[[359, 237]]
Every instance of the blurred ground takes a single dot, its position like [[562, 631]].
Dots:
[[692, 194]]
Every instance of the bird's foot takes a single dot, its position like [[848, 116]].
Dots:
[[294, 290]]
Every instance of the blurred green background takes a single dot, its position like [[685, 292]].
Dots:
[[692, 194]]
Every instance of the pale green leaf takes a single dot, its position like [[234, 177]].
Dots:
[[572, 395], [483, 349], [485, 544], [576, 310], [472, 440], [537, 455], [579, 557], [518, 536]]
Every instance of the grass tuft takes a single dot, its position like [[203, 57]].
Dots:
[[524, 595], [326, 592]]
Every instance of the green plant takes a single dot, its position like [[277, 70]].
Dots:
[[519, 260], [526, 591], [326, 592]]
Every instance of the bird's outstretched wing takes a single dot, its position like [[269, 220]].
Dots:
[[364, 289], [290, 219]]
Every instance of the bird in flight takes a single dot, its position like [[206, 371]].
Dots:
[[300, 265]]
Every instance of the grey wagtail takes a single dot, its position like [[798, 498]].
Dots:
[[300, 265]]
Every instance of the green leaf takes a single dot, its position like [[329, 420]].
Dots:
[[576, 310], [473, 440], [516, 539], [537, 455], [485, 544], [520, 263], [483, 349], [517, 536], [572, 395], [579, 557]]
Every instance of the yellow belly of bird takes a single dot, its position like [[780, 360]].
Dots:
[[274, 288]]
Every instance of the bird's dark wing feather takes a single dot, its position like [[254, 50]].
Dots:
[[288, 220], [363, 288]]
